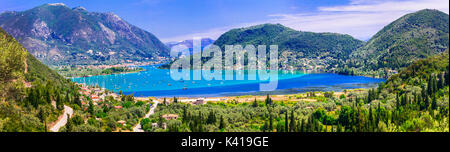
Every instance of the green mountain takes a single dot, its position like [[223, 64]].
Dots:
[[57, 34], [18, 67], [413, 100], [414, 36], [299, 50], [422, 70], [28, 89]]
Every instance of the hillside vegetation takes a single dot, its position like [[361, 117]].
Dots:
[[414, 36], [308, 51], [28, 89], [415, 100]]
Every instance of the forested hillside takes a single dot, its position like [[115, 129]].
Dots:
[[306, 51], [31, 95], [414, 36], [298, 50]]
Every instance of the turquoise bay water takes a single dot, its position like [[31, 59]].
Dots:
[[158, 83]]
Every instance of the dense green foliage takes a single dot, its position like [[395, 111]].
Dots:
[[308, 43], [39, 71], [12, 66], [104, 117], [297, 50], [414, 36], [72, 71], [416, 99], [28, 88]]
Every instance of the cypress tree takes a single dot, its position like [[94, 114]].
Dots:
[[160, 120], [286, 122], [270, 123], [434, 103], [302, 126], [77, 99], [298, 126], [255, 103], [447, 77], [339, 128], [59, 104], [211, 118], [397, 101], [69, 124], [67, 97], [184, 120], [222, 124], [435, 84], [370, 116], [378, 114], [415, 98], [268, 100], [265, 126], [429, 86], [427, 102], [441, 82], [91, 108], [292, 123]]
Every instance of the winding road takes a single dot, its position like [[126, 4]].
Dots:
[[138, 127], [63, 120]]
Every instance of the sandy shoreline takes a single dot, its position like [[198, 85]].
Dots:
[[297, 97]]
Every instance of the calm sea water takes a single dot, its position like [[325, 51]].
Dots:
[[158, 83]]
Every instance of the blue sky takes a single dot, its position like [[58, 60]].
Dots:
[[176, 20]]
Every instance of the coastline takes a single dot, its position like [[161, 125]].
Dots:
[[295, 97], [107, 74], [290, 91], [116, 65]]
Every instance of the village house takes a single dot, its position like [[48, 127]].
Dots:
[[155, 125], [95, 98], [170, 116], [199, 101], [123, 122]]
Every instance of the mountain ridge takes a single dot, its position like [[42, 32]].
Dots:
[[189, 44], [57, 34], [411, 37], [299, 50]]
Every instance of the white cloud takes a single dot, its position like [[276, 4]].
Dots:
[[389, 5], [359, 25], [213, 33], [360, 18]]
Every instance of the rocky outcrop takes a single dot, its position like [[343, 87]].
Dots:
[[57, 34]]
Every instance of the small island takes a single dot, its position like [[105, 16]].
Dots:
[[87, 71]]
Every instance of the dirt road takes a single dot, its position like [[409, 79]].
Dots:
[[63, 121]]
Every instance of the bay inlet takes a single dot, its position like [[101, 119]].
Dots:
[[156, 82]]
